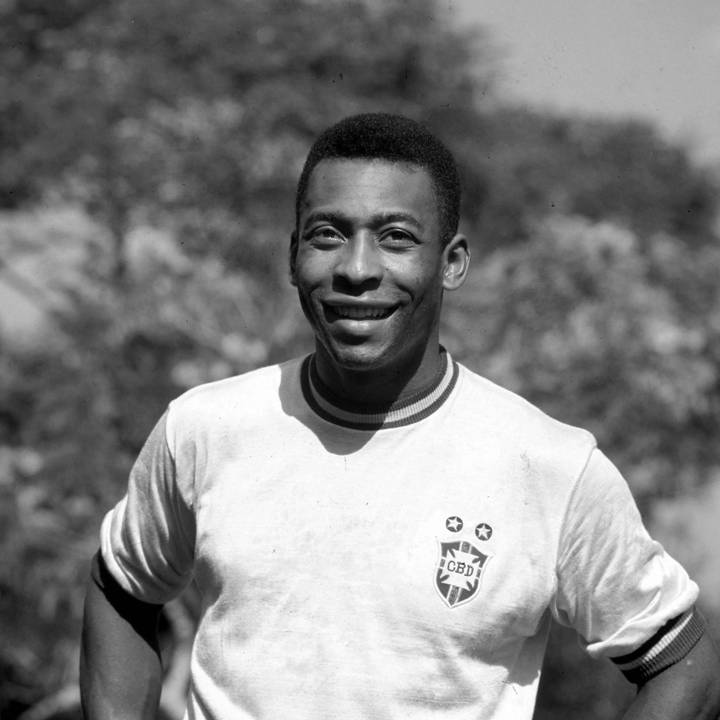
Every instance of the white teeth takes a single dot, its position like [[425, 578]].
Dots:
[[361, 313]]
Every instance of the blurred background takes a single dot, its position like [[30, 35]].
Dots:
[[148, 157]]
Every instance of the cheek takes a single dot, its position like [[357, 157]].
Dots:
[[423, 283], [311, 272]]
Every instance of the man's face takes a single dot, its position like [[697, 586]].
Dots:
[[369, 263]]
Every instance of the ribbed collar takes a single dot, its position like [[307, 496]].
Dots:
[[366, 417]]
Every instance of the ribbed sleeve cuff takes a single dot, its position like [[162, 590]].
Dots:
[[670, 644]]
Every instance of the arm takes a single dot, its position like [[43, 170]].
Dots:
[[687, 690], [120, 668], [633, 603]]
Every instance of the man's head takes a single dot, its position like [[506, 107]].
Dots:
[[374, 247], [393, 138]]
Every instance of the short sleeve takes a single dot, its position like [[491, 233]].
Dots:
[[148, 538], [625, 596]]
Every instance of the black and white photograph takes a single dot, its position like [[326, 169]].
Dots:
[[359, 360]]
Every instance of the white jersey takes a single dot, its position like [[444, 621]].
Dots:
[[396, 563]]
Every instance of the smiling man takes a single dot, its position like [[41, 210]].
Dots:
[[376, 531], [370, 258]]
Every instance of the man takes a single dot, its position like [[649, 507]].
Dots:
[[376, 531]]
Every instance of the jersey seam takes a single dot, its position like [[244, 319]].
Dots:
[[193, 491], [566, 513]]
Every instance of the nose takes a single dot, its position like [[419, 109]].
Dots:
[[359, 261]]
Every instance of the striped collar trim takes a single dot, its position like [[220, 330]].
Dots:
[[364, 417]]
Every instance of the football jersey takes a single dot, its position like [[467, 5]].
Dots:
[[395, 562]]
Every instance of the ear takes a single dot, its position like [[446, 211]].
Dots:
[[456, 261], [293, 257]]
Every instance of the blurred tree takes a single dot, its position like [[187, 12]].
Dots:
[[198, 115], [520, 166]]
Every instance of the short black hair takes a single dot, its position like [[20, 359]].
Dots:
[[380, 136]]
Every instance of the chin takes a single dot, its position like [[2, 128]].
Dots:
[[357, 358]]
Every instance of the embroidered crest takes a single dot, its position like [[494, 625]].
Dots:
[[459, 572]]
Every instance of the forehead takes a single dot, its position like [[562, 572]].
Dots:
[[360, 186]]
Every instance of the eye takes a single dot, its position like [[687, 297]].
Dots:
[[324, 236], [397, 238]]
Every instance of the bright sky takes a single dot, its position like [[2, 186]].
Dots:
[[658, 59]]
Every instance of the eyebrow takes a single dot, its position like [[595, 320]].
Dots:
[[377, 220]]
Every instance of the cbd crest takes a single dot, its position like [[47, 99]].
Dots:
[[460, 565]]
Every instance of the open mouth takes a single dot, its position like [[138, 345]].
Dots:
[[353, 312]]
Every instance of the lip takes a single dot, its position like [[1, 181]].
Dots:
[[358, 311]]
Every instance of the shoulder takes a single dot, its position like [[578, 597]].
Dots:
[[216, 403], [510, 419]]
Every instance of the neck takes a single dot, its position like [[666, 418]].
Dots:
[[379, 387]]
